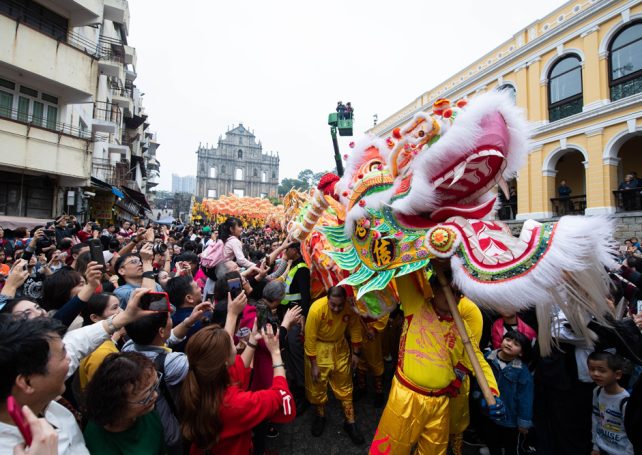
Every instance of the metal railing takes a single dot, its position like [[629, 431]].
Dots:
[[46, 124], [118, 89], [628, 200], [108, 112], [22, 14], [574, 205], [113, 173]]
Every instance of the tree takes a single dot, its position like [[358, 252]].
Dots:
[[306, 175], [287, 184]]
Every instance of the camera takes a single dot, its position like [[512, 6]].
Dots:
[[159, 248]]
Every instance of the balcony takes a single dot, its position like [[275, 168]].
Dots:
[[574, 205], [112, 62], [107, 118], [628, 200], [37, 122], [48, 53], [130, 55], [115, 173], [44, 147], [82, 12], [117, 11]]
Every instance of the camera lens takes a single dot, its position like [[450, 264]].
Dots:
[[159, 248]]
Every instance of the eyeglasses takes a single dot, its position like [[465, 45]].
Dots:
[[134, 262], [150, 396], [24, 314]]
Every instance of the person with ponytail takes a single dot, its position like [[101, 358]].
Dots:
[[230, 233], [217, 411]]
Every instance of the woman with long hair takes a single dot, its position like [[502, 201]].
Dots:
[[217, 411], [230, 233]]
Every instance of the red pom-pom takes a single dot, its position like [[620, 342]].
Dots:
[[396, 133], [360, 176], [327, 183], [462, 103], [447, 113], [351, 144], [380, 167], [345, 157], [362, 203], [345, 194]]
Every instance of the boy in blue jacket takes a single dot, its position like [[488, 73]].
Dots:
[[516, 389]]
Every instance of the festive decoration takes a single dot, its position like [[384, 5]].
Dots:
[[425, 193], [254, 212]]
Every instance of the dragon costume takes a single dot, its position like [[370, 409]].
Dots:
[[426, 192]]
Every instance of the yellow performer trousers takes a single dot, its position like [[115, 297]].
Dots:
[[371, 356], [333, 360], [412, 418]]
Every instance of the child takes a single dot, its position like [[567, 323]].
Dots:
[[516, 390], [509, 320], [609, 405]]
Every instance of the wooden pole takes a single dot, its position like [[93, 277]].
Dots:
[[468, 346]]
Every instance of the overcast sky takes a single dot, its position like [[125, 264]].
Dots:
[[279, 67]]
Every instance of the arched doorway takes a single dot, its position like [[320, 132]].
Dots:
[[629, 174], [569, 186]]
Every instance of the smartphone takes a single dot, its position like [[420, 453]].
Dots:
[[262, 315], [19, 419], [234, 285], [96, 251], [623, 249], [155, 301]]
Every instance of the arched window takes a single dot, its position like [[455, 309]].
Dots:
[[256, 173], [565, 88], [263, 176], [238, 175], [625, 62], [240, 153], [223, 170], [273, 174], [508, 88], [213, 172]]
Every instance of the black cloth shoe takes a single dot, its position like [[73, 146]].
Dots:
[[354, 433], [318, 425], [379, 400]]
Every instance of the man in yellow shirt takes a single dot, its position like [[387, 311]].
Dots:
[[328, 358], [432, 365]]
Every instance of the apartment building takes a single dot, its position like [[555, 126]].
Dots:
[[72, 123]]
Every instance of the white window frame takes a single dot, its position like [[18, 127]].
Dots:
[[239, 192], [211, 194], [238, 173], [213, 172], [16, 94], [263, 176]]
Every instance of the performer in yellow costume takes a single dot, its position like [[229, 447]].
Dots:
[[432, 365], [328, 358], [372, 357]]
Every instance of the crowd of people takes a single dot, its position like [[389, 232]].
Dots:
[[205, 340]]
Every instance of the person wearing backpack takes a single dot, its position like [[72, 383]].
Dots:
[[609, 405], [230, 233]]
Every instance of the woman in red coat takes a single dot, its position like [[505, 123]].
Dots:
[[218, 413]]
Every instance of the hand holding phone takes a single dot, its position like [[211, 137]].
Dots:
[[155, 301], [96, 251], [234, 285]]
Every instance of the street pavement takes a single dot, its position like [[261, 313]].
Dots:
[[295, 438]]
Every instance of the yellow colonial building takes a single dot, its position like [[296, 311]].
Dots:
[[578, 75]]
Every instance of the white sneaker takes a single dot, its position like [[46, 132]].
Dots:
[[484, 451]]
